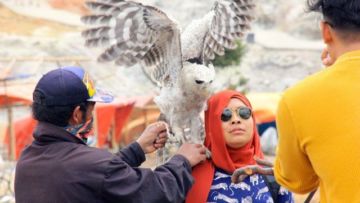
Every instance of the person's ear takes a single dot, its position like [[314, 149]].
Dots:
[[326, 33], [76, 116]]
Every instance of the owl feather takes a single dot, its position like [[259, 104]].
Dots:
[[132, 33]]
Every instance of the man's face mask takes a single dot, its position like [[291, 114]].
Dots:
[[83, 131]]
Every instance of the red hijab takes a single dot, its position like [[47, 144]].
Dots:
[[223, 157]]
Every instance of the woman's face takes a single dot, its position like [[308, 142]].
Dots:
[[237, 131]]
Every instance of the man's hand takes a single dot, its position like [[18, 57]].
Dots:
[[153, 137], [241, 173], [194, 153]]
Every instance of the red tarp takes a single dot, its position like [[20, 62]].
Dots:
[[108, 115], [23, 129], [121, 117], [18, 96], [16, 93], [13, 99]]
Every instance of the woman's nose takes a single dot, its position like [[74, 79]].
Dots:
[[235, 119]]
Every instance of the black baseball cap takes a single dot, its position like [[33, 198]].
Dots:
[[68, 86]]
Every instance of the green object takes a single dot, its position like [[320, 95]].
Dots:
[[231, 56]]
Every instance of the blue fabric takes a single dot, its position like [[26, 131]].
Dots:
[[264, 126], [252, 189]]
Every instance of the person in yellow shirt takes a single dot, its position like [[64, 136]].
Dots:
[[319, 118]]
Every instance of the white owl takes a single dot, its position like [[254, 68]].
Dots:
[[179, 62]]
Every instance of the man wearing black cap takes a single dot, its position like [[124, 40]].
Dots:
[[59, 167]]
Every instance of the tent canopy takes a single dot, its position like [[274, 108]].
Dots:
[[16, 94], [111, 118], [7, 99]]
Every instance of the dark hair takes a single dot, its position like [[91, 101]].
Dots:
[[341, 15], [56, 115]]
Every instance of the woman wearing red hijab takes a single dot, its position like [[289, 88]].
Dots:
[[233, 140]]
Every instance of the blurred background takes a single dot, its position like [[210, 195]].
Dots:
[[36, 36]]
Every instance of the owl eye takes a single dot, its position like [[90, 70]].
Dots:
[[199, 81]]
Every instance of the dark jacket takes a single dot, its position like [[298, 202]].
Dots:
[[58, 167]]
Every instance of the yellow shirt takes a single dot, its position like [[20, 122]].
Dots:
[[319, 133]]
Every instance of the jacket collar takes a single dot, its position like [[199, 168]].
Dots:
[[47, 133]]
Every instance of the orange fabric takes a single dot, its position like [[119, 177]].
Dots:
[[264, 115], [23, 129], [16, 93], [222, 156], [109, 115], [122, 114], [105, 117], [12, 99]]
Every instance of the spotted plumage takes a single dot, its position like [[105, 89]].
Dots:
[[180, 62]]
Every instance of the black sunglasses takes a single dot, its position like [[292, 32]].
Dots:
[[242, 112]]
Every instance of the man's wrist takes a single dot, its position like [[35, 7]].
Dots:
[[133, 154], [141, 145], [181, 158]]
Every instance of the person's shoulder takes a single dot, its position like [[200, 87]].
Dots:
[[91, 155], [307, 87], [94, 152]]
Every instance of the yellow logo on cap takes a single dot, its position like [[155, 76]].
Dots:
[[89, 84]]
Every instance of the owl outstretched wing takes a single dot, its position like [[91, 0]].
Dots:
[[224, 24], [135, 33]]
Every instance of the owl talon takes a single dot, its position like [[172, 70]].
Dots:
[[208, 153]]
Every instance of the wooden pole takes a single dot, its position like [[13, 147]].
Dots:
[[12, 138], [113, 143]]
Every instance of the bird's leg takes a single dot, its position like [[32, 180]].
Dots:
[[172, 144], [197, 130], [179, 135], [160, 156], [198, 134], [160, 152], [163, 153], [207, 153]]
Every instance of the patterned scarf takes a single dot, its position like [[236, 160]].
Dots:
[[81, 131]]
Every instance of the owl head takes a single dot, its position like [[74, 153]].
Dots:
[[198, 78]]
